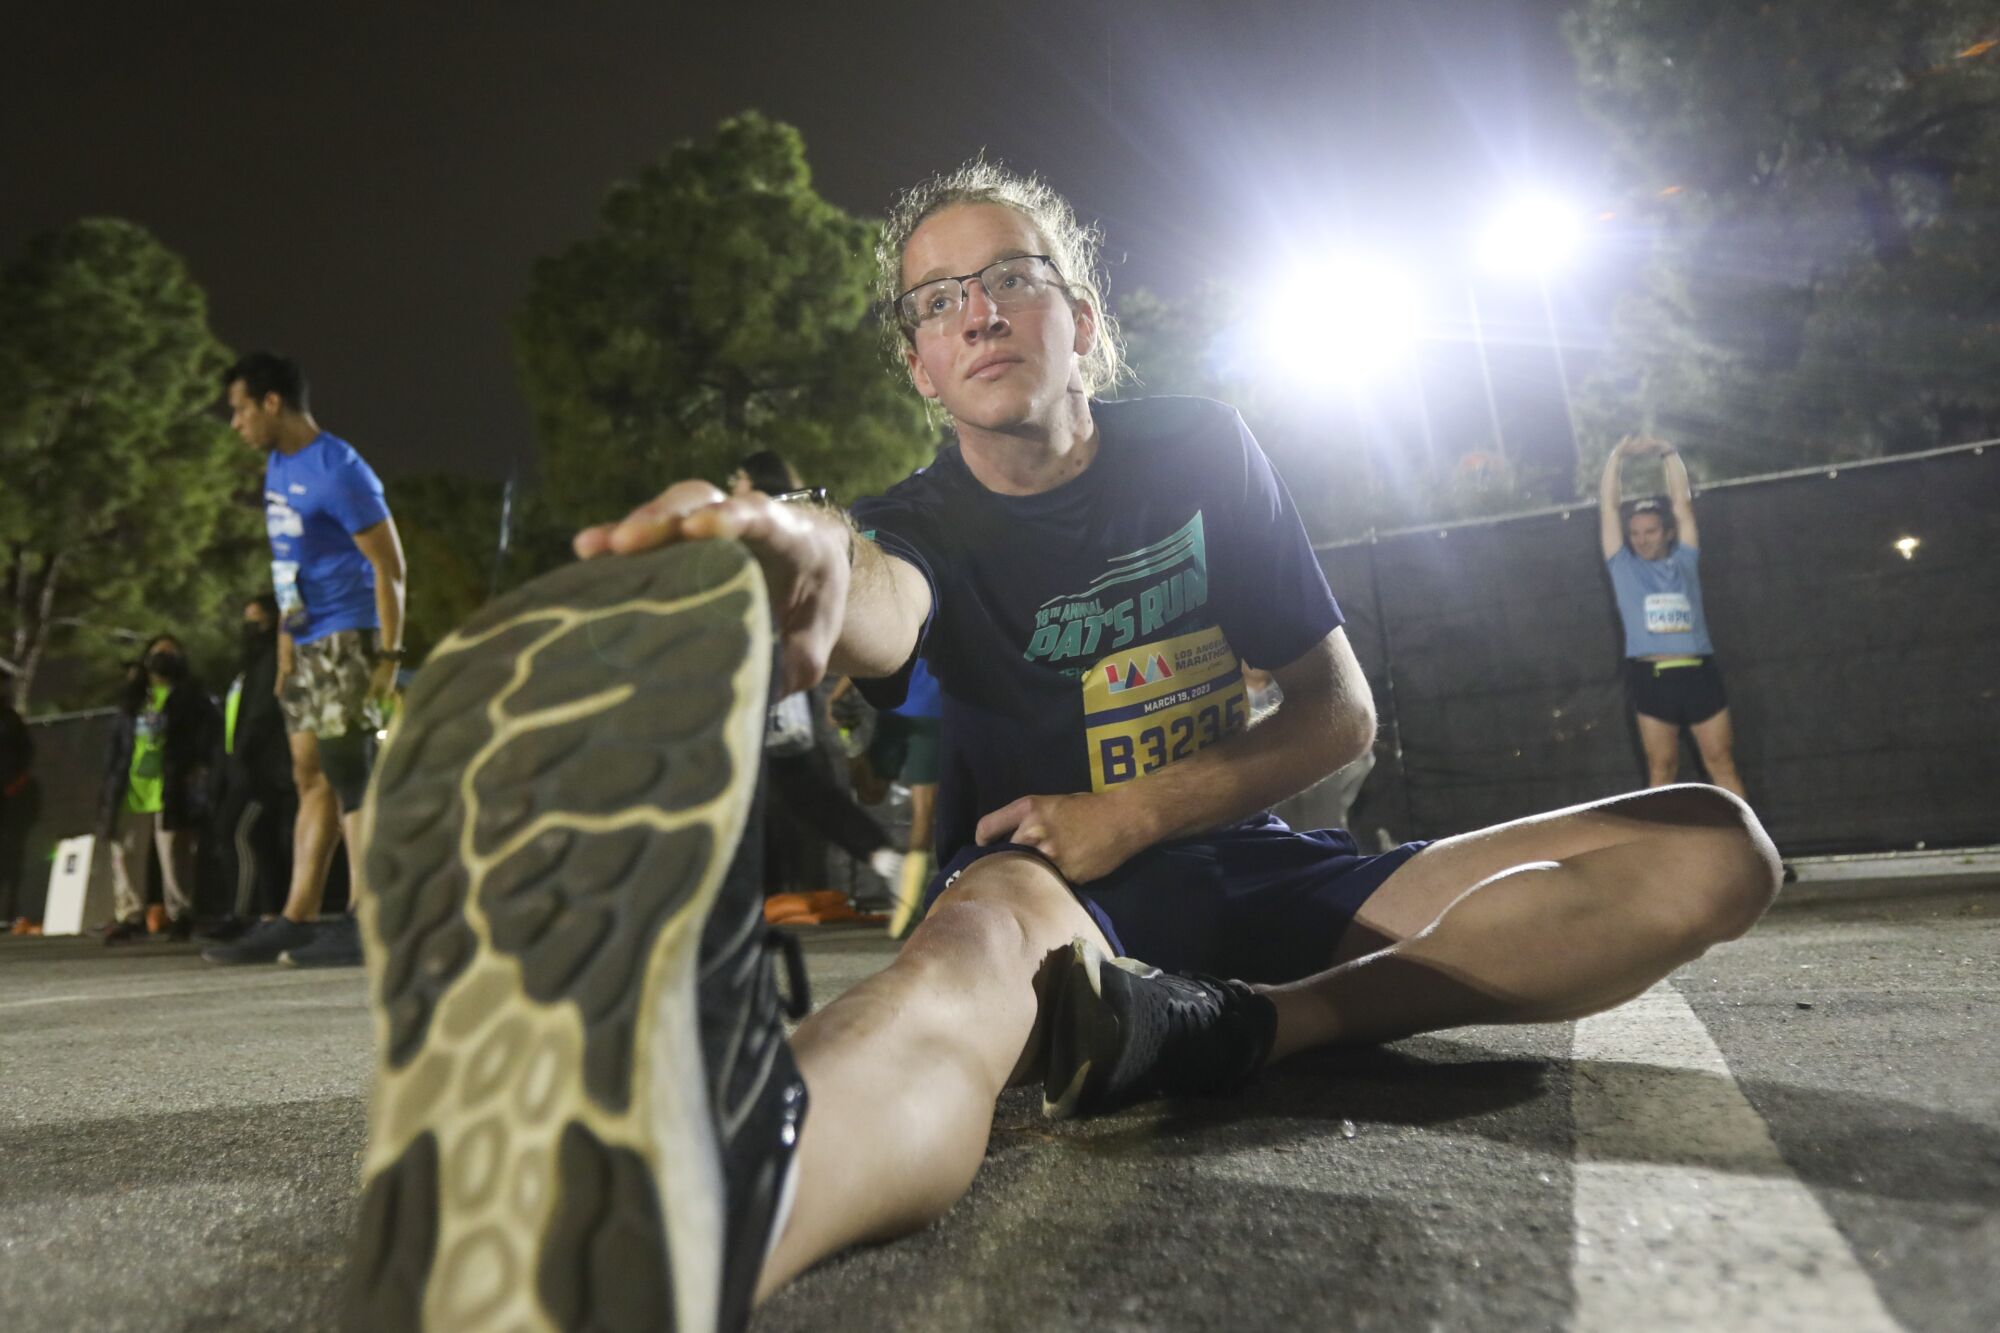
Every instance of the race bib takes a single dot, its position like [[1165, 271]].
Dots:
[[291, 602], [1669, 613], [1152, 704]]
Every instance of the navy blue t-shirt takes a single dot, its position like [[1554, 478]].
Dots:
[[1093, 634], [314, 502]]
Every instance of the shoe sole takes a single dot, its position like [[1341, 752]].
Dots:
[[286, 959], [550, 821], [1084, 1032], [218, 956]]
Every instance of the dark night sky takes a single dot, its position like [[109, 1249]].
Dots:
[[366, 187]]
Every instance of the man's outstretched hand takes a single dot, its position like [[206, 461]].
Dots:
[[803, 552]]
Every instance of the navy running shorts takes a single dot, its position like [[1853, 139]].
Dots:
[[1260, 902]]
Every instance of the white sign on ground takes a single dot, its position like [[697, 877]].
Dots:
[[71, 901]]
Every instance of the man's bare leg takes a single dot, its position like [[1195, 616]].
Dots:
[[1662, 743], [904, 1069], [923, 802], [1542, 919], [314, 833], [350, 834], [1716, 739]]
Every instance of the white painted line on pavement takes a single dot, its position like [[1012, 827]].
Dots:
[[232, 983], [1686, 1215]]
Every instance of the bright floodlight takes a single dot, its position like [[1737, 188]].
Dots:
[[1535, 235], [1337, 322]]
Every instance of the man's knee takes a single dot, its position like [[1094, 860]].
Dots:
[[1004, 905], [1724, 869], [307, 776]]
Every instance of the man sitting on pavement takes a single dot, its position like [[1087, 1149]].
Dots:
[[1082, 577]]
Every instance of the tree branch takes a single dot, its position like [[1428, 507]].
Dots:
[[1892, 144]]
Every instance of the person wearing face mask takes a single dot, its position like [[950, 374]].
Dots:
[[254, 800], [155, 788]]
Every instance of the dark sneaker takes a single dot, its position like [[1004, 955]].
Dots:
[[181, 929], [585, 1108], [262, 943], [124, 932], [1122, 1032], [335, 943], [223, 929]]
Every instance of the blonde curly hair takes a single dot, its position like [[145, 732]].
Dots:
[[1071, 245]]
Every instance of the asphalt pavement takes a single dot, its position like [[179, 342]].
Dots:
[[1799, 1131]]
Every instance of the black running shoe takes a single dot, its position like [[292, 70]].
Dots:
[[124, 932], [585, 1107], [336, 942], [224, 929], [1123, 1032], [262, 943]]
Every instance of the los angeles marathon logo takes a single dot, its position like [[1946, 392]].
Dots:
[[1136, 674]]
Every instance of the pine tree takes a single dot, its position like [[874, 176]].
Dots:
[[1816, 183], [721, 307], [126, 505]]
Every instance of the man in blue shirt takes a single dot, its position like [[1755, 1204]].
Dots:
[[337, 572], [1654, 562]]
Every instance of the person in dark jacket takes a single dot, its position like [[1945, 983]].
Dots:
[[156, 788], [17, 757], [254, 807]]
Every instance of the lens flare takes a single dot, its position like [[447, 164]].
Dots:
[[1535, 235], [1339, 322]]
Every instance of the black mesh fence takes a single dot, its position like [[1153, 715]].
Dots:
[[1863, 675]]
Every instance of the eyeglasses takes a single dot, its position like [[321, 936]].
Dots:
[[1006, 282], [810, 495]]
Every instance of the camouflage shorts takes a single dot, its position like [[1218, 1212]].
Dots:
[[327, 692]]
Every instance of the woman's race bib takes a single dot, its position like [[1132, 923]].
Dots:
[[1669, 613]]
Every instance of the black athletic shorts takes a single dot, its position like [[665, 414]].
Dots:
[[1680, 690], [905, 749], [1259, 901]]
